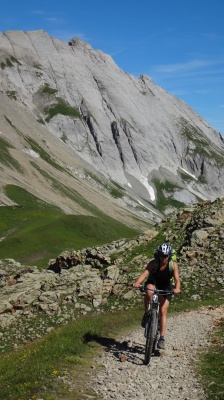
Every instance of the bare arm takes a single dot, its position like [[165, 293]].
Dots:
[[144, 274], [176, 278]]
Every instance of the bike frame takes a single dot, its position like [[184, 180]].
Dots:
[[153, 306], [152, 325]]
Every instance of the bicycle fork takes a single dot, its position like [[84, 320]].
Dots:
[[153, 308], [157, 330]]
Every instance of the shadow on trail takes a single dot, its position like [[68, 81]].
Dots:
[[133, 352]]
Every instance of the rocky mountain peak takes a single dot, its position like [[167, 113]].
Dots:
[[77, 42], [153, 146]]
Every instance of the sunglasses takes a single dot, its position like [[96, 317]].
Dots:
[[163, 255]]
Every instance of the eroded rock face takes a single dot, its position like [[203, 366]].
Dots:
[[126, 127]]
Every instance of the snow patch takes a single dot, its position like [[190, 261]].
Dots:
[[129, 185], [31, 153], [144, 181], [193, 176]]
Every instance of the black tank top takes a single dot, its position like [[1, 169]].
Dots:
[[161, 278]]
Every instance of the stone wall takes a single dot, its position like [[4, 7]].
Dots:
[[84, 278]]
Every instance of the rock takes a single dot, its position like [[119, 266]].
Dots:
[[199, 235], [123, 358], [129, 295], [97, 300], [112, 272]]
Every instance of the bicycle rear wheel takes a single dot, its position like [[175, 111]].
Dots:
[[150, 337]]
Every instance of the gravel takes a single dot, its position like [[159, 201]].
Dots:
[[120, 373]]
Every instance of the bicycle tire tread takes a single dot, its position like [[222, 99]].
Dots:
[[150, 337]]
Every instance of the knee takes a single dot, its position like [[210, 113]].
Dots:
[[149, 292]]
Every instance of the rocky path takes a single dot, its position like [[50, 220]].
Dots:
[[122, 376]]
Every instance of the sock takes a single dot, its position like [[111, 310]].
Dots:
[[162, 338]]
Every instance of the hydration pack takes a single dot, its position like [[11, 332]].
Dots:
[[173, 257]]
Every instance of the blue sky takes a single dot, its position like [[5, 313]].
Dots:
[[178, 43]]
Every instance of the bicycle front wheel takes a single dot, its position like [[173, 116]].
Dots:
[[150, 337]]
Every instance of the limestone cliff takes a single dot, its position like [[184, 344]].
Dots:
[[76, 104]]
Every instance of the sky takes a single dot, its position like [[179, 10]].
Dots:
[[178, 43]]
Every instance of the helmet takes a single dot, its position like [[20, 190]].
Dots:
[[164, 249]]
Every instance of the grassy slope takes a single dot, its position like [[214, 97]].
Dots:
[[65, 352], [35, 231]]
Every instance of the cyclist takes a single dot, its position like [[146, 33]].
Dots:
[[158, 275]]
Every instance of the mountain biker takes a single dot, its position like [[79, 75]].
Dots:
[[157, 273]]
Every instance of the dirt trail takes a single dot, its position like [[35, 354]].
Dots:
[[170, 375]]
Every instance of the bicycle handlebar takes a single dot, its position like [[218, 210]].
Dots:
[[157, 291]]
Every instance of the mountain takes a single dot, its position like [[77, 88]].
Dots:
[[75, 126]]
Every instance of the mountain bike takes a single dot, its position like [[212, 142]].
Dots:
[[152, 324]]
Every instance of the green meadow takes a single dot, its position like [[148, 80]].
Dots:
[[33, 231]]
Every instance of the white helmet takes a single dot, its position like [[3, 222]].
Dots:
[[164, 249]]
